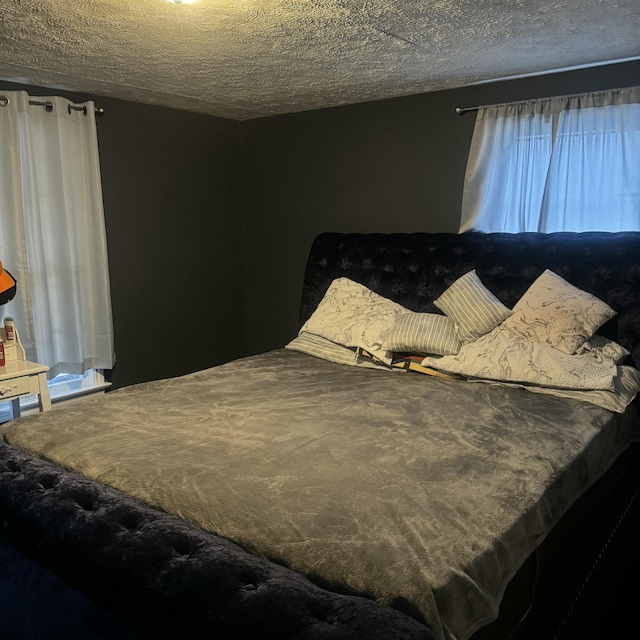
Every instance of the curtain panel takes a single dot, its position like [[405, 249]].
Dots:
[[53, 236], [570, 163]]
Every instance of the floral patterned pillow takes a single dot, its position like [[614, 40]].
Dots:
[[354, 316], [506, 356], [555, 313]]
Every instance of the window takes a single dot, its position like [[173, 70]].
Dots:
[[53, 238], [560, 164]]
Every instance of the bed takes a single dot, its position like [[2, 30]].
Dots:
[[346, 485]]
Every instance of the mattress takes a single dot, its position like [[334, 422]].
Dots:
[[423, 493]]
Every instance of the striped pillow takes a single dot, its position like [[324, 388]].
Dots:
[[326, 350], [473, 308], [423, 333]]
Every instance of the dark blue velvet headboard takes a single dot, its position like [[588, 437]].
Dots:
[[415, 268]]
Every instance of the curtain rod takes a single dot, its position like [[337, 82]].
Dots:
[[461, 111], [48, 106]]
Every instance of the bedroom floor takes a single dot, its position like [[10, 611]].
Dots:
[[598, 601]]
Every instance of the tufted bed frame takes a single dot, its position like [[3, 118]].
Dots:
[[93, 562]]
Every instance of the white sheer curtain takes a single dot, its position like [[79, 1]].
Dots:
[[560, 164], [52, 233]]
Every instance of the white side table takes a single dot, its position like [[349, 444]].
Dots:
[[23, 378]]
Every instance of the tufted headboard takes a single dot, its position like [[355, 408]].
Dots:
[[415, 268]]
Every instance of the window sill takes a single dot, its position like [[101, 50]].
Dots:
[[29, 404]]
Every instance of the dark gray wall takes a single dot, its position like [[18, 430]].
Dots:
[[171, 185], [172, 201], [394, 165], [209, 221]]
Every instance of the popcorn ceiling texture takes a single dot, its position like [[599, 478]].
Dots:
[[244, 59]]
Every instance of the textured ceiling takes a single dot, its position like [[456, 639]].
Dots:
[[245, 59]]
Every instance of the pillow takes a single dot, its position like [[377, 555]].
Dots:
[[473, 308], [354, 316], [423, 333], [555, 313], [327, 350], [601, 347]]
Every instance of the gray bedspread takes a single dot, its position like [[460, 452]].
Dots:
[[421, 492]]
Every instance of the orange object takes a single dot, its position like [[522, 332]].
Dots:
[[7, 285]]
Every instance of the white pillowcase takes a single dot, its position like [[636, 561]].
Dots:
[[601, 347], [354, 316], [473, 308], [555, 313]]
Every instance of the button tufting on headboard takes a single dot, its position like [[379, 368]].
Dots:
[[415, 268]]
